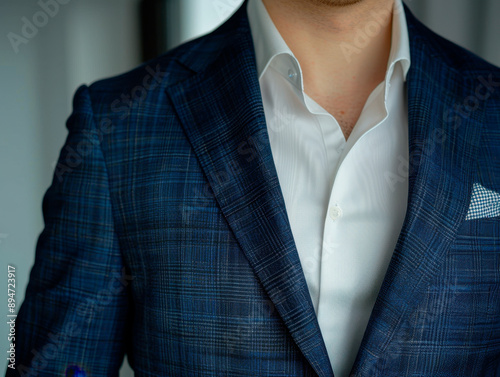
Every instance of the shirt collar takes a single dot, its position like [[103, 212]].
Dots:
[[269, 44]]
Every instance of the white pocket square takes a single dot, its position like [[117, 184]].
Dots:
[[484, 203]]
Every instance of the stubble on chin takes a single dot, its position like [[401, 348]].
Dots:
[[336, 3]]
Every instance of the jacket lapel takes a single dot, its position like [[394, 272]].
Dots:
[[221, 110], [442, 148]]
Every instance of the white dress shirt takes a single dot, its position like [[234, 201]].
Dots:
[[345, 200]]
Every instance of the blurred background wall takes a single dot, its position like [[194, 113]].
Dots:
[[84, 40]]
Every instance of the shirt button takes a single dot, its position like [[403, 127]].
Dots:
[[292, 74], [335, 212]]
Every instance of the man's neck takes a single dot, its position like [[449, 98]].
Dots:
[[343, 50]]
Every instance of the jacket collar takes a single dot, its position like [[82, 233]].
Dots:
[[220, 107]]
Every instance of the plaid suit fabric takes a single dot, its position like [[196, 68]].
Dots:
[[438, 311], [166, 235], [75, 308]]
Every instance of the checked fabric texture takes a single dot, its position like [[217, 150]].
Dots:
[[484, 203], [166, 235]]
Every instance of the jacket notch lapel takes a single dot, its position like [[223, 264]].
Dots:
[[221, 111], [441, 172]]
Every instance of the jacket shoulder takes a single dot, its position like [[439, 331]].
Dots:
[[164, 70], [468, 76], [180, 62], [433, 46]]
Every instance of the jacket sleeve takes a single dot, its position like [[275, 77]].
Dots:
[[76, 306]]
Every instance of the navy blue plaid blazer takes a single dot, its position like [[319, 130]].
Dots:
[[166, 236]]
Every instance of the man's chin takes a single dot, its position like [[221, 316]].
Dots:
[[337, 3]]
